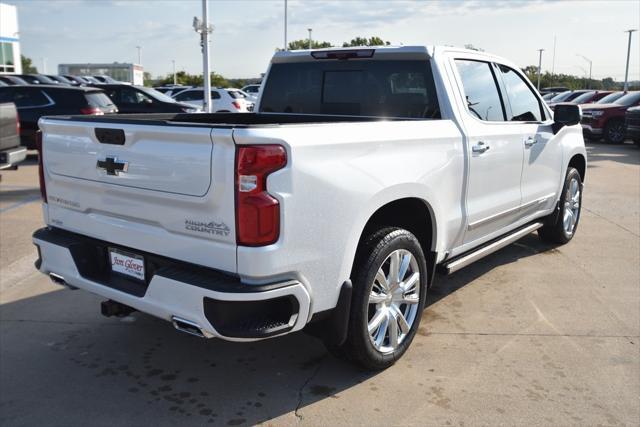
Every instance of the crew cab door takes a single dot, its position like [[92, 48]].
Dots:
[[495, 152], [542, 165]]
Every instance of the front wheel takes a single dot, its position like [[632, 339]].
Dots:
[[561, 226], [614, 132], [389, 291]]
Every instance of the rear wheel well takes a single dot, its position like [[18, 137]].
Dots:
[[412, 214], [580, 164]]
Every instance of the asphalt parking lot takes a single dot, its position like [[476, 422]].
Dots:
[[532, 335]]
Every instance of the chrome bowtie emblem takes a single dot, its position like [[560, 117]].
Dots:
[[112, 166]]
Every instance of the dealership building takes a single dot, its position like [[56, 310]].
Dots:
[[132, 73], [10, 62]]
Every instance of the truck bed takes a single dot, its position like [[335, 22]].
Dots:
[[225, 120]]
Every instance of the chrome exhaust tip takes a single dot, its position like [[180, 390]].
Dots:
[[59, 280], [187, 326]]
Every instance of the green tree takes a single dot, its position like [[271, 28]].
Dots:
[[304, 44], [363, 41], [186, 79], [27, 65]]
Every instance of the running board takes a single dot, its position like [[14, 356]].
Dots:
[[470, 257]]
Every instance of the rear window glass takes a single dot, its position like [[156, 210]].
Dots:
[[235, 94], [98, 99], [402, 89]]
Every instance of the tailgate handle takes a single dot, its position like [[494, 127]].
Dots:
[[110, 136]]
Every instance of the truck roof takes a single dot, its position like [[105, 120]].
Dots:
[[380, 53]]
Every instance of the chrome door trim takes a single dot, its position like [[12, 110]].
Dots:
[[499, 215]]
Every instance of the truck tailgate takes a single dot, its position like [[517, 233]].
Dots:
[[166, 189]]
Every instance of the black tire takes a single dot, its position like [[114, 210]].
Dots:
[[371, 255], [553, 230], [614, 132]]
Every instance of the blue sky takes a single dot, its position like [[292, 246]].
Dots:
[[248, 31]]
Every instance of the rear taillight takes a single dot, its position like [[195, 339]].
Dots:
[[17, 124], [257, 212], [93, 111], [237, 105], [43, 188]]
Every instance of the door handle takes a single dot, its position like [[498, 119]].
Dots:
[[480, 147], [530, 141]]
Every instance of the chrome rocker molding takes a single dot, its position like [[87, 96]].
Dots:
[[470, 257]]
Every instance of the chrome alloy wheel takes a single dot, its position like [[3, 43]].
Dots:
[[571, 207], [393, 301]]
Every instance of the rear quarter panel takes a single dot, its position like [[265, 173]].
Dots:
[[337, 176]]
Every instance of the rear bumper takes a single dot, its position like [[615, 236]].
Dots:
[[12, 156], [218, 303]]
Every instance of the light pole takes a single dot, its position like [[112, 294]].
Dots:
[[590, 67], [539, 66], [204, 29], [139, 55], [310, 39], [626, 71], [175, 80], [286, 46]]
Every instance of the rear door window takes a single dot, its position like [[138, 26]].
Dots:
[[524, 105], [481, 90]]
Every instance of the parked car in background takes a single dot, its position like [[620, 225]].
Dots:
[[139, 99], [12, 80], [588, 97], [613, 96], [591, 97], [106, 79], [554, 89], [11, 153], [240, 94], [221, 100], [34, 102], [76, 80], [252, 89], [37, 79], [608, 120], [172, 90], [632, 124], [567, 96], [60, 79], [547, 96]]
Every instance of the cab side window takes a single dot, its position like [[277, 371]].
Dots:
[[481, 90], [190, 95], [525, 106]]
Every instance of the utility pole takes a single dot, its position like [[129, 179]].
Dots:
[[310, 39], [590, 67], [626, 71], [175, 79], [553, 62], [286, 44], [139, 55], [539, 66], [204, 29]]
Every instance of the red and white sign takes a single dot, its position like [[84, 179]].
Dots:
[[128, 264]]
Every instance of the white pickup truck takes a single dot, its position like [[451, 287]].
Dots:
[[330, 208]]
